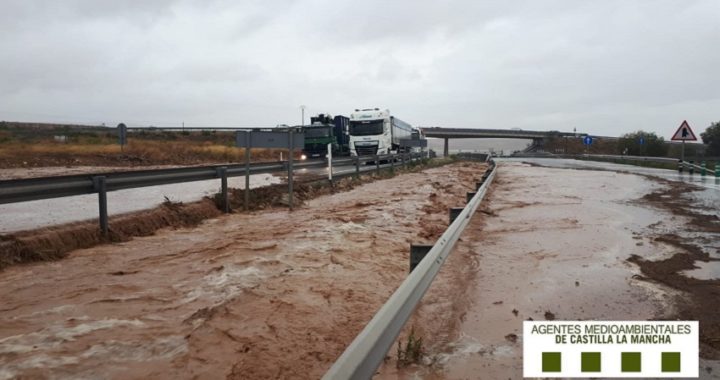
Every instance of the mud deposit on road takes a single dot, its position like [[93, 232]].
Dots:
[[553, 244], [695, 241], [268, 294]]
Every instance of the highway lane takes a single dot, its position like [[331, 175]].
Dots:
[[707, 181], [557, 241], [49, 212]]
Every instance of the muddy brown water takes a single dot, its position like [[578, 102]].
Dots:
[[553, 244], [270, 294]]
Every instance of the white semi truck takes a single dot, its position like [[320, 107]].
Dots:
[[373, 131]]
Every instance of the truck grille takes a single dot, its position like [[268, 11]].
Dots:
[[366, 150]]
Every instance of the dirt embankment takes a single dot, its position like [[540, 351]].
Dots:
[[267, 294], [55, 242], [701, 293]]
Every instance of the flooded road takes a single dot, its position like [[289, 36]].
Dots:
[[272, 294], [554, 243], [708, 181]]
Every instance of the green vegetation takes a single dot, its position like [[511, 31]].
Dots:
[[711, 137], [654, 145], [413, 351]]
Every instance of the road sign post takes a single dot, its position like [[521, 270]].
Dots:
[[285, 138], [242, 139], [683, 133], [122, 135], [641, 141], [587, 141]]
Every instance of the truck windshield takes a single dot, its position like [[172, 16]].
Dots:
[[366, 128], [317, 132]]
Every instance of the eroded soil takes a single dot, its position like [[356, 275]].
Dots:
[[694, 242], [272, 294]]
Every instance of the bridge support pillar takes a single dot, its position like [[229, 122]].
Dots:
[[446, 150], [539, 144]]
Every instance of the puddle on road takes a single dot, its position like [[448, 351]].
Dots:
[[706, 270]]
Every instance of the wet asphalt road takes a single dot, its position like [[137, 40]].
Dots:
[[50, 212]]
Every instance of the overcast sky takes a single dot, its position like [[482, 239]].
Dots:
[[605, 67]]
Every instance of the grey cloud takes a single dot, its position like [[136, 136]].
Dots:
[[604, 67]]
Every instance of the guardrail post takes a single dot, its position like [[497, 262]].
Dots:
[[691, 169], [717, 169], [417, 253], [222, 173], [483, 179], [454, 212], [702, 168], [680, 166], [377, 164], [291, 152], [101, 187], [247, 173], [329, 162], [392, 163], [470, 195], [357, 167], [402, 158], [478, 184]]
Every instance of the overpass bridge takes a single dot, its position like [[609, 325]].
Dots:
[[538, 137]]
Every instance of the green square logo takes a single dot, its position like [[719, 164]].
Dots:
[[630, 362], [551, 362], [670, 362], [590, 362]]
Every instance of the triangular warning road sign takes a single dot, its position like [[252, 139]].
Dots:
[[684, 133]]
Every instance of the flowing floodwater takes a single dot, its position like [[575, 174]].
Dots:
[[263, 295]]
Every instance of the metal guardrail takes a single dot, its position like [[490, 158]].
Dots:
[[473, 156], [22, 190], [365, 354], [28, 189], [629, 158], [681, 164]]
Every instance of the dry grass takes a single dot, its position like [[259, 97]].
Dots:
[[138, 152]]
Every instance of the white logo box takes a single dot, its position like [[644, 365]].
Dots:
[[611, 338]]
